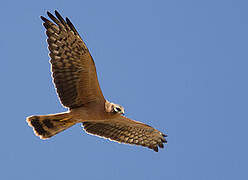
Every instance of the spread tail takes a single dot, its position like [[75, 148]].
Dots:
[[46, 126]]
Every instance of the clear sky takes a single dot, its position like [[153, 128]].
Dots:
[[179, 66]]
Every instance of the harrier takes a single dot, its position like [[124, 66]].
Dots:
[[75, 78]]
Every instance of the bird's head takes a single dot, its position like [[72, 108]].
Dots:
[[113, 108]]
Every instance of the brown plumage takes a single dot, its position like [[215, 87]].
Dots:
[[75, 78]]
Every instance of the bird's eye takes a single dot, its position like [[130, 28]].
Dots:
[[118, 109]]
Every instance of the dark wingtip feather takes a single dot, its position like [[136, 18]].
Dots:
[[68, 21], [164, 140], [155, 148], [44, 19], [164, 135], [49, 14], [60, 17], [161, 145], [71, 25], [53, 18]]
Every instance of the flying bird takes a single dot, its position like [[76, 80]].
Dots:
[[75, 78]]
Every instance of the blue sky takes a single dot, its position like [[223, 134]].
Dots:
[[179, 66]]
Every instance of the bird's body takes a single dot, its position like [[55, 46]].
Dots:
[[76, 82]]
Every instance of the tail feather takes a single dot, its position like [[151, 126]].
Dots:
[[46, 126]]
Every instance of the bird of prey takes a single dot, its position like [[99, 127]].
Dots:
[[75, 78]]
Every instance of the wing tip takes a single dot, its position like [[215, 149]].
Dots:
[[160, 143], [56, 11], [60, 17], [164, 135], [44, 19], [155, 148], [49, 14]]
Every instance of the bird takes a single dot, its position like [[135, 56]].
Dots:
[[75, 79]]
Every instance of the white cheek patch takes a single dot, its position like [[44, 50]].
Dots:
[[108, 106], [111, 107]]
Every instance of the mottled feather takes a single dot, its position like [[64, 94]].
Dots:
[[73, 68], [124, 130]]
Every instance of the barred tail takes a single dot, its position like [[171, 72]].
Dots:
[[46, 126]]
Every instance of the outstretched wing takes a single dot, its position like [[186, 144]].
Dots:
[[73, 68], [124, 130]]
